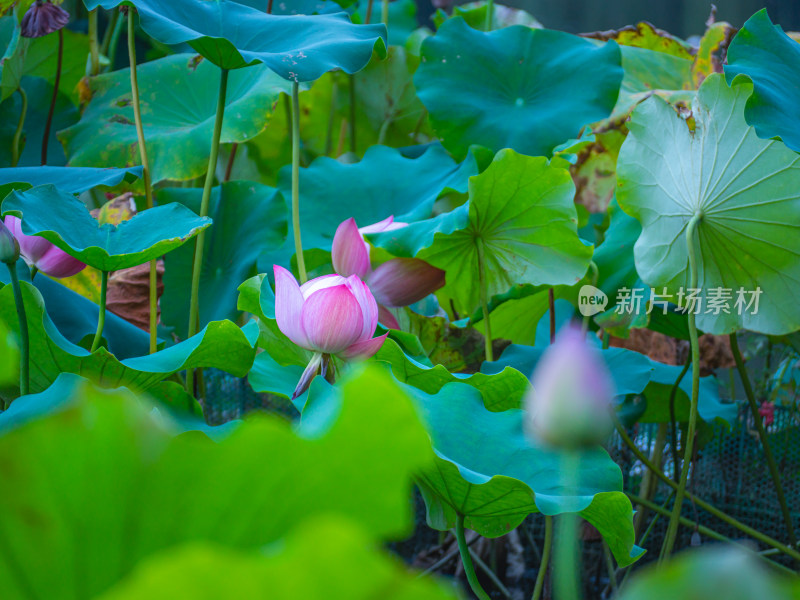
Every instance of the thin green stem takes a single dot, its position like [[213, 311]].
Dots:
[[595, 276], [567, 569], [466, 560], [551, 300], [111, 52], [385, 13], [148, 188], [545, 562], [197, 266], [709, 508], [369, 12], [490, 573], [298, 243], [673, 431], [24, 362], [49, 122], [109, 32], [489, 15], [762, 434], [612, 572], [15, 144], [101, 313], [484, 292], [672, 528], [94, 49], [352, 90]]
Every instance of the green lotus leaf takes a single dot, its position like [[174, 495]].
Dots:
[[325, 557], [521, 88], [648, 71], [12, 60], [220, 345], [474, 13], [39, 93], [9, 366], [63, 220], [500, 390], [67, 179], [521, 211], [249, 218], [233, 35], [115, 485], [402, 19], [41, 58], [747, 191], [487, 470], [332, 192], [769, 57], [178, 125], [300, 7], [75, 317]]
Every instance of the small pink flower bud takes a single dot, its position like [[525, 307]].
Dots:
[[572, 394], [43, 255]]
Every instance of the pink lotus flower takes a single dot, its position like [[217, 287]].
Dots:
[[395, 283], [329, 315], [41, 255], [572, 394]]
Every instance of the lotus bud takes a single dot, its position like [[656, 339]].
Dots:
[[43, 18], [570, 403], [403, 281], [9, 247], [350, 252], [327, 315], [42, 255]]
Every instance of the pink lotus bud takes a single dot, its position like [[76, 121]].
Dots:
[[330, 314], [350, 252], [572, 394], [42, 255], [43, 18], [403, 281]]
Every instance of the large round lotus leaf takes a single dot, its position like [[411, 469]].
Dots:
[[748, 193], [383, 183], [71, 180], [233, 35], [63, 220], [648, 71], [115, 486], [249, 218], [770, 58], [490, 472], [220, 345], [521, 211], [179, 103], [521, 88]]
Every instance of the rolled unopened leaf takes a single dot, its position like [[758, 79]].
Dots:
[[42, 255], [572, 394], [43, 18], [403, 281], [9, 247]]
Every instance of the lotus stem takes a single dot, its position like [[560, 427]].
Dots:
[[466, 560], [484, 292], [672, 528], [385, 13], [111, 51], [673, 421], [545, 562], [94, 49], [24, 359], [762, 434], [489, 15], [551, 300], [15, 144], [368, 16], [352, 81], [48, 124], [148, 188], [567, 556], [709, 508], [231, 159], [197, 266], [298, 243], [101, 314], [109, 32]]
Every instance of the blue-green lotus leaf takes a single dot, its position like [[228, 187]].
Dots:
[[517, 87], [67, 179], [233, 35], [63, 220]]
